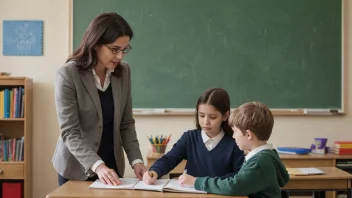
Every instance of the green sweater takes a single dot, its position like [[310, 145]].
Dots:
[[261, 176]]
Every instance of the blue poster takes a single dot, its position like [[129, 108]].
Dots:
[[22, 38]]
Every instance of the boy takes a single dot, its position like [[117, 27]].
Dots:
[[262, 173]]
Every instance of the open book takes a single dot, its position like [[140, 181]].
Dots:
[[162, 185], [304, 171]]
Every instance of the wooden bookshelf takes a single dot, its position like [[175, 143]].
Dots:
[[16, 128]]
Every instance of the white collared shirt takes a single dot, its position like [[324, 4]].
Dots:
[[256, 150], [211, 143], [103, 88], [106, 81]]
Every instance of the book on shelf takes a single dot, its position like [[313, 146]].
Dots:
[[162, 185], [12, 149], [342, 151], [343, 144], [345, 164], [12, 102]]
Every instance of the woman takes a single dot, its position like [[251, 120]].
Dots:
[[94, 107]]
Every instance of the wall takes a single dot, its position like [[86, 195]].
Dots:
[[288, 131]]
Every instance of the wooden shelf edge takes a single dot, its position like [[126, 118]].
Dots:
[[11, 162], [12, 78], [12, 178], [12, 119]]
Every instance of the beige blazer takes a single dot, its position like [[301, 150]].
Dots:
[[80, 120]]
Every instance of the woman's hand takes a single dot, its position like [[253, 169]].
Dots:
[[186, 180], [149, 177], [139, 170], [107, 175]]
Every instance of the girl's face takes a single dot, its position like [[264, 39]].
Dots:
[[210, 119], [110, 55]]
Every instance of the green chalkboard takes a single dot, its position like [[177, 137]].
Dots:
[[284, 53]]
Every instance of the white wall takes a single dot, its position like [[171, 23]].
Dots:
[[288, 131]]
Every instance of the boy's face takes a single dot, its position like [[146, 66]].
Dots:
[[210, 119], [243, 141]]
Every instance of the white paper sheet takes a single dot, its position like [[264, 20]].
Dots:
[[174, 186], [127, 183], [160, 184]]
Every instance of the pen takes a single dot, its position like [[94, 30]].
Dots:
[[150, 140], [150, 174]]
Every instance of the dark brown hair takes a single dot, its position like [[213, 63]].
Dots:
[[220, 100], [253, 116], [104, 29]]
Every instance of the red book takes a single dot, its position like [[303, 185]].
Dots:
[[342, 151], [11, 190]]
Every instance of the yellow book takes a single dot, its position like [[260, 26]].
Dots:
[[304, 171], [343, 146]]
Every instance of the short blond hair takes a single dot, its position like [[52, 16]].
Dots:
[[253, 116]]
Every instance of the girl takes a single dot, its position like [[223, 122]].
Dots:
[[209, 149]]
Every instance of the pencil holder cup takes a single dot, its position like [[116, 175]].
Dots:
[[159, 148], [319, 145]]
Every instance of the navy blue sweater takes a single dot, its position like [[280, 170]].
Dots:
[[225, 159]]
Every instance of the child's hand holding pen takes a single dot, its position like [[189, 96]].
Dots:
[[150, 177], [186, 180]]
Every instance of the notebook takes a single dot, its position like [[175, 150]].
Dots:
[[162, 185], [304, 171]]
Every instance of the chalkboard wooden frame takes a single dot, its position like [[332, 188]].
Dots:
[[276, 112]]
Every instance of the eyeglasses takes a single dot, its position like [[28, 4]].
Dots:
[[116, 50]]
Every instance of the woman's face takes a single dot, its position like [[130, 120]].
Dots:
[[110, 55]]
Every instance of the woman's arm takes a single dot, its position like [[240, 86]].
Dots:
[[67, 113], [127, 128]]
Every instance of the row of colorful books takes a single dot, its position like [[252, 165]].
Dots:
[[12, 149], [342, 148], [12, 102]]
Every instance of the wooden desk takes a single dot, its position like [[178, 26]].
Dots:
[[79, 189], [333, 179], [290, 161]]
